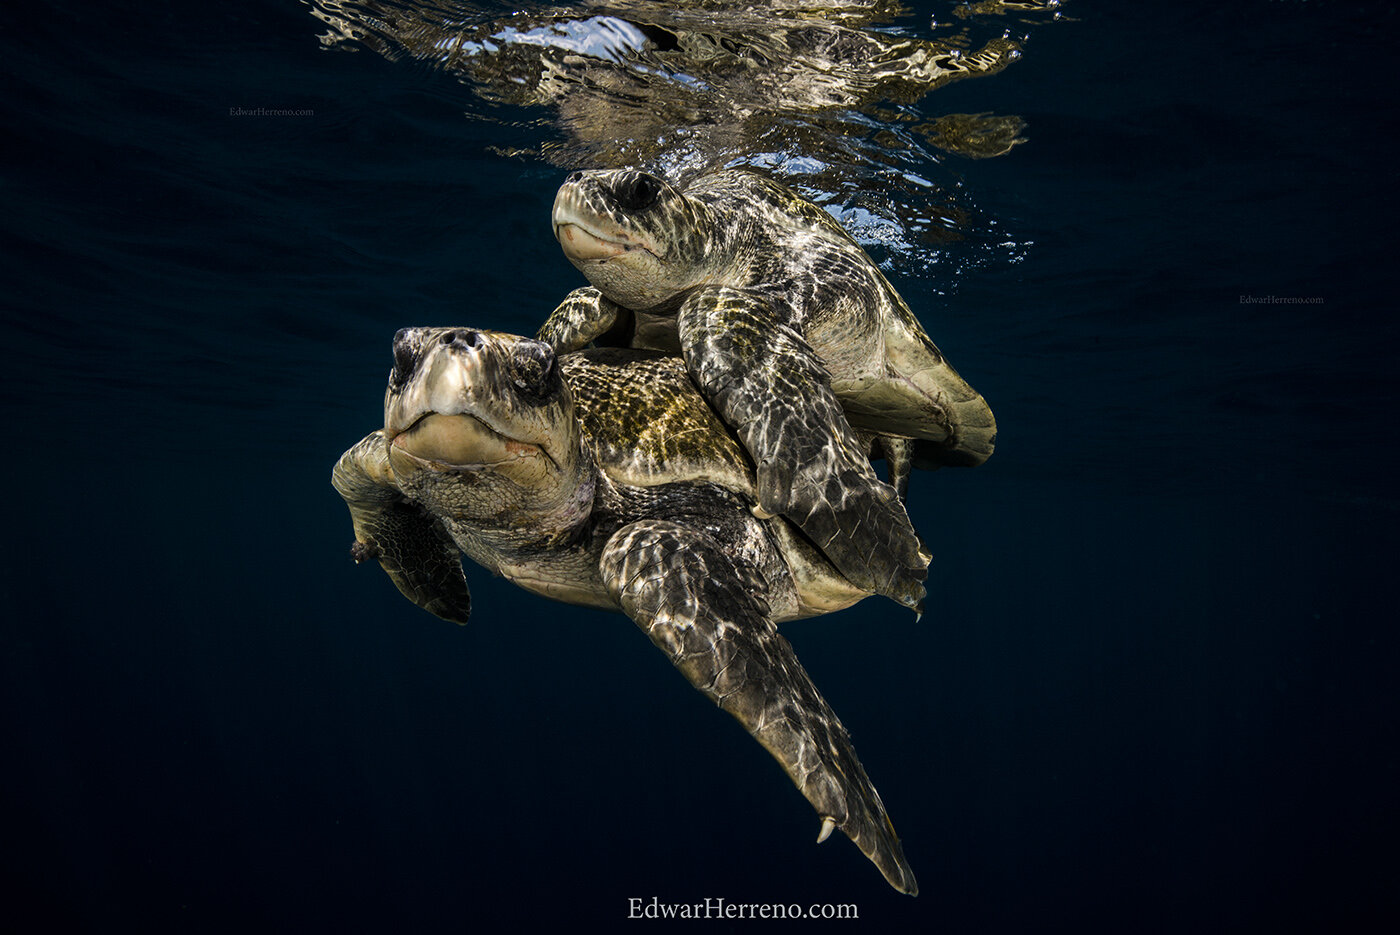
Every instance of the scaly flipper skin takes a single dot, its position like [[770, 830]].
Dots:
[[694, 604], [769, 386], [580, 319], [419, 556]]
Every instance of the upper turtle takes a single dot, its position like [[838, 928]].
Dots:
[[790, 331], [648, 246], [604, 479]]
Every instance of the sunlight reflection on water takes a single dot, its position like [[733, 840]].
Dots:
[[832, 97]]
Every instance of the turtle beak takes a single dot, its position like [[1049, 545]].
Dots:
[[459, 396], [585, 230], [424, 381]]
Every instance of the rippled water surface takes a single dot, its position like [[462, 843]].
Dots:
[[832, 98], [1153, 688]]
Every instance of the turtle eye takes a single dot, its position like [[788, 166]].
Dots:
[[408, 342], [638, 192], [534, 370]]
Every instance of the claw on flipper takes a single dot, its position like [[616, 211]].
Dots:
[[363, 551], [828, 825]]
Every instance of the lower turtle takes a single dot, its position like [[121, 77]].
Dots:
[[603, 478], [752, 284]]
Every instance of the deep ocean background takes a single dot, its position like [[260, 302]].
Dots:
[[1155, 690]]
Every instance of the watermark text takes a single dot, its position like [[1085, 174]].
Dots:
[[1281, 300], [271, 112], [717, 907]]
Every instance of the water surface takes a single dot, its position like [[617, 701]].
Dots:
[[1153, 689]]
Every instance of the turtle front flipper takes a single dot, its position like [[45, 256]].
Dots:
[[582, 318], [419, 556], [770, 386], [698, 607]]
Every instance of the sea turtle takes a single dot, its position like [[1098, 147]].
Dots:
[[751, 283], [602, 478]]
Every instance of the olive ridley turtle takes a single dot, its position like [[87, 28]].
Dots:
[[790, 331], [603, 478]]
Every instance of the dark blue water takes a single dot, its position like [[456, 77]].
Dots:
[[1155, 688]]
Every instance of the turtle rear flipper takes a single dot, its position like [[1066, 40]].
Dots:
[[927, 400], [411, 546], [769, 385], [696, 605]]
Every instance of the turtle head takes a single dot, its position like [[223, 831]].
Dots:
[[636, 237], [481, 424]]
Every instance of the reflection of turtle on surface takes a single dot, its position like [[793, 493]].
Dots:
[[838, 98], [637, 79], [763, 293], [604, 479]]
